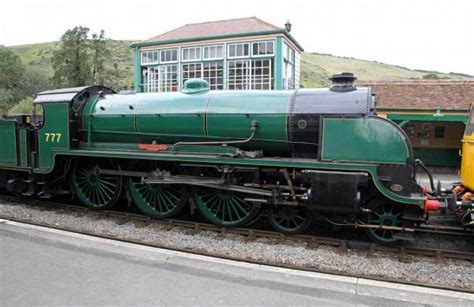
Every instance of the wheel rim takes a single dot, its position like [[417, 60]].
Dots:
[[95, 190], [157, 201], [290, 220], [384, 214], [225, 208]]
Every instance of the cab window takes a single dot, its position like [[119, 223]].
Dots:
[[38, 115]]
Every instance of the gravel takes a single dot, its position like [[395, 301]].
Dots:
[[452, 273]]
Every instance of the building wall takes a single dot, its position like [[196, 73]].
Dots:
[[428, 145], [428, 134]]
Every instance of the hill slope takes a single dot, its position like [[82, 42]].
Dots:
[[38, 57], [315, 68]]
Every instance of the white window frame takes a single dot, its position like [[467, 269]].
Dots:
[[245, 76], [195, 71], [211, 85], [258, 49], [210, 48], [288, 53], [288, 73], [229, 46], [149, 51], [249, 76], [200, 72], [189, 48], [158, 82], [169, 50], [164, 84]]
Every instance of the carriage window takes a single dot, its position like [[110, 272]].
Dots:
[[38, 116]]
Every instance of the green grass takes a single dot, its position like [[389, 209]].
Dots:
[[315, 68]]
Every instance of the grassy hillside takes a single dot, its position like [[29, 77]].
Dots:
[[315, 68], [38, 57]]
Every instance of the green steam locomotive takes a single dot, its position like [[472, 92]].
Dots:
[[296, 156]]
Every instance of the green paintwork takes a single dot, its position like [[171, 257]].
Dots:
[[157, 201], [231, 115], [384, 214], [115, 123], [363, 140], [369, 168], [278, 64], [225, 208], [94, 190], [403, 123], [133, 148], [23, 148], [290, 219], [194, 86], [56, 121], [438, 156], [168, 118], [211, 37], [8, 146], [136, 70], [428, 118]]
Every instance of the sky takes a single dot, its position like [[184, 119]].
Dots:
[[418, 34]]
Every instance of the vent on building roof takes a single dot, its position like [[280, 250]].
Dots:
[[343, 82], [288, 26]]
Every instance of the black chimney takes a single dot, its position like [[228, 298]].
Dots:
[[288, 26], [343, 82]]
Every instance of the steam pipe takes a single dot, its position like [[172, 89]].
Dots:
[[420, 163]]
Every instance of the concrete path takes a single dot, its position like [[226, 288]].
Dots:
[[40, 266], [446, 180]]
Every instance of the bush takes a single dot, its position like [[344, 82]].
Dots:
[[25, 106]]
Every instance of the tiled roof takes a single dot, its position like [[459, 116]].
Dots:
[[453, 95], [216, 28]]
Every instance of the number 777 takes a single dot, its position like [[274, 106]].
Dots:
[[53, 137]]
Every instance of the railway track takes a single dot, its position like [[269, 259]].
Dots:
[[312, 241], [404, 254]]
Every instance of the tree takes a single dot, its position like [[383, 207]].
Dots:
[[71, 62], [37, 80], [431, 77], [25, 106], [99, 52], [80, 60], [115, 79], [12, 79]]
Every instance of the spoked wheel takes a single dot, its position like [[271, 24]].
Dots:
[[156, 200], [96, 191], [225, 208], [289, 219], [384, 213]]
